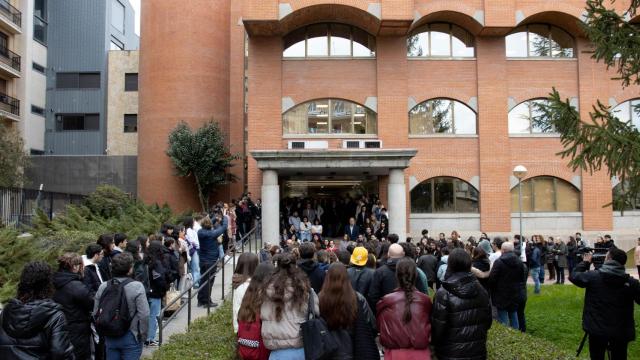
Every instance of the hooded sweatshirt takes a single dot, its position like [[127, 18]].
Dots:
[[34, 330]]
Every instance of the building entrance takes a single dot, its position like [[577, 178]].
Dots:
[[330, 199]]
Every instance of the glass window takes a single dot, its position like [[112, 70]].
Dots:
[[89, 81], [131, 82], [628, 111], [441, 40], [442, 116], [632, 204], [539, 40], [521, 118], [324, 40], [117, 15], [39, 68], [67, 80], [332, 116], [39, 30], [546, 194], [40, 9], [131, 123], [444, 195], [78, 80], [37, 110], [77, 122]]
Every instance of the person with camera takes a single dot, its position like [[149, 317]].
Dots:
[[607, 317]]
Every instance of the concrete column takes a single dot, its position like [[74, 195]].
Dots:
[[397, 204], [270, 206]]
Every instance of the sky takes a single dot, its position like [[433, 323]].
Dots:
[[136, 8]]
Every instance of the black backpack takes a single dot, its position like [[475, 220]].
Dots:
[[112, 318]]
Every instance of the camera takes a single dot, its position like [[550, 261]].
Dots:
[[599, 254]]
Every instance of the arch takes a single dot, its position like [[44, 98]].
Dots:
[[445, 194], [440, 39], [461, 13], [540, 40], [562, 14], [328, 40], [329, 116], [521, 116], [338, 12], [626, 111], [442, 115], [546, 194]]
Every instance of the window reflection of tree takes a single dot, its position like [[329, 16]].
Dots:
[[444, 195], [542, 41]]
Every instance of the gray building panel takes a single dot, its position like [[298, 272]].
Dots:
[[79, 37]]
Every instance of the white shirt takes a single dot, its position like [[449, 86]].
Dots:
[[192, 237], [493, 257], [88, 262], [316, 229], [237, 301]]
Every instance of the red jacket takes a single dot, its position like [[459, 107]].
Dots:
[[394, 333]]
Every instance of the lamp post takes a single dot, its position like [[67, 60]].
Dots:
[[520, 172]]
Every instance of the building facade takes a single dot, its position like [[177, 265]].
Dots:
[[426, 103], [122, 103], [79, 36]]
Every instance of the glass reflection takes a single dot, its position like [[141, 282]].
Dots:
[[328, 40], [444, 195], [440, 40], [539, 40], [442, 116], [329, 116]]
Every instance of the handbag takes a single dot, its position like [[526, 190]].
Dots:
[[169, 297], [319, 343]]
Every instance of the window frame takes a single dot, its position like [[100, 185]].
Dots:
[[329, 35], [77, 82], [84, 119], [329, 117], [531, 182], [453, 122], [432, 182], [127, 88], [124, 16], [426, 28], [37, 112], [633, 102], [42, 21], [38, 68], [531, 133], [124, 119], [548, 37]]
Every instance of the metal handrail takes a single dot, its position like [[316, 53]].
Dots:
[[189, 291], [9, 104], [11, 12], [9, 57]]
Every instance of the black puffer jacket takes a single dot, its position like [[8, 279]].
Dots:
[[461, 318], [507, 279], [361, 278], [608, 301], [77, 303], [34, 331], [314, 272]]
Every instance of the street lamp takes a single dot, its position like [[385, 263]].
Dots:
[[520, 172]]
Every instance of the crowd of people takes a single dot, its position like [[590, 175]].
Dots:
[[105, 303]]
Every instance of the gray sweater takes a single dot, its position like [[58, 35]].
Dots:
[[138, 307]]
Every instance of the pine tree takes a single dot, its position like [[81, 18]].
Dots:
[[603, 141]]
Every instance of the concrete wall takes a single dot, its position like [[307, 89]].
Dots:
[[79, 36], [82, 174], [120, 102]]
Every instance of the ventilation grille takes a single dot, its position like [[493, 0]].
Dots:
[[297, 144], [372, 145], [353, 144]]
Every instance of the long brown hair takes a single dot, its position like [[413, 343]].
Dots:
[[288, 275], [252, 300], [338, 301], [247, 264], [406, 275]]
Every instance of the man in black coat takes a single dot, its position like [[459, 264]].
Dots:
[[507, 278], [608, 304], [310, 266], [93, 276], [352, 229], [361, 276], [384, 279]]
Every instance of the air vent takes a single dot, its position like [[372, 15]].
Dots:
[[308, 145], [297, 144], [372, 145], [353, 144]]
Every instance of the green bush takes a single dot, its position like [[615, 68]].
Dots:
[[108, 210]]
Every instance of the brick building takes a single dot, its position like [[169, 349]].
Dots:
[[425, 102]]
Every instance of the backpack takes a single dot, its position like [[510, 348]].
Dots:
[[112, 318], [250, 345]]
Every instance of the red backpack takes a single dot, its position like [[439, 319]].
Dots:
[[250, 344]]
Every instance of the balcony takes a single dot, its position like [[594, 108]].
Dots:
[[10, 18], [9, 107], [9, 63]]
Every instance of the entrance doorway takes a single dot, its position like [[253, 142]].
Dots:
[[336, 198]]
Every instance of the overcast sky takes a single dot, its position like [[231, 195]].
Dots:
[[136, 8]]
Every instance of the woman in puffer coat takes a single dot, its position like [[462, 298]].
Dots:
[[461, 313], [404, 318], [284, 309]]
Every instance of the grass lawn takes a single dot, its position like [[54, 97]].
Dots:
[[556, 315]]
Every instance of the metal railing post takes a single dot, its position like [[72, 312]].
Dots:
[[159, 318], [222, 283], [233, 268], [209, 291], [189, 311]]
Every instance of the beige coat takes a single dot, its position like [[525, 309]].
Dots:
[[284, 334]]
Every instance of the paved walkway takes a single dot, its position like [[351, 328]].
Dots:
[[179, 324]]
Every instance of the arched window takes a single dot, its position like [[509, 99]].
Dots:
[[444, 195], [539, 40], [546, 194], [632, 204], [521, 118], [329, 40], [330, 116], [442, 116], [628, 111], [440, 40]]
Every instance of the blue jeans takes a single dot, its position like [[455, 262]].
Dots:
[[287, 354], [505, 317], [305, 236], [126, 347], [154, 311], [535, 275], [195, 268]]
